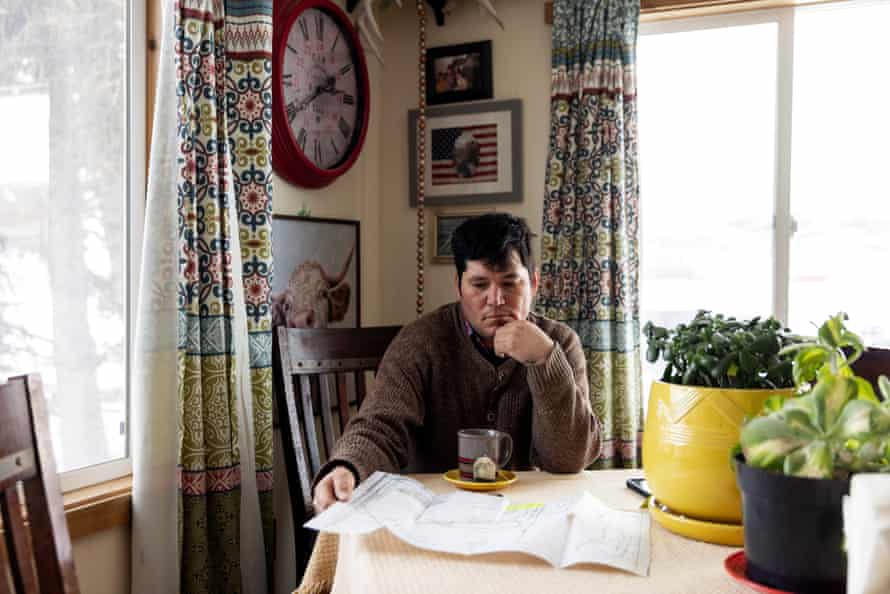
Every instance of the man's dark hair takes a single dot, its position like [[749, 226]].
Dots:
[[490, 238]]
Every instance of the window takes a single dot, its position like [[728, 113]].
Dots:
[[762, 160], [71, 108]]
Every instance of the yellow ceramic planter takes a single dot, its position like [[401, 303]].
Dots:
[[688, 436]]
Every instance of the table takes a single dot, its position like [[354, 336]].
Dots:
[[380, 563]]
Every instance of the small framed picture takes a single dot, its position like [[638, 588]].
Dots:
[[458, 73], [473, 153], [444, 224], [316, 281]]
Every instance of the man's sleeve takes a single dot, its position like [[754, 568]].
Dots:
[[378, 437], [566, 434]]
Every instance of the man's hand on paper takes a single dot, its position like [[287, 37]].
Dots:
[[337, 485]]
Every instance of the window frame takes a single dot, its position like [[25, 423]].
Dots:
[[783, 224], [137, 121]]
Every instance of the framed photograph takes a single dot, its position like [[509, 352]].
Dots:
[[444, 224], [473, 153], [458, 73], [317, 274]]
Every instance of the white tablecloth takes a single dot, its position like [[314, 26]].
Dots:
[[380, 563]]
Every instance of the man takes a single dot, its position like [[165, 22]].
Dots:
[[483, 361]]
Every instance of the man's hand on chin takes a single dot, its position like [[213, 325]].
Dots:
[[337, 485], [523, 341]]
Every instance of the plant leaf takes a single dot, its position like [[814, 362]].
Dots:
[[884, 387], [864, 391], [836, 391], [812, 461], [767, 440], [855, 421], [812, 404], [801, 423], [808, 362], [773, 404]]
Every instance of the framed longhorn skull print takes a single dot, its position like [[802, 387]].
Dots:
[[316, 278]]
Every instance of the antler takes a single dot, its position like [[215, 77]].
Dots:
[[489, 7], [339, 278], [365, 21], [368, 28]]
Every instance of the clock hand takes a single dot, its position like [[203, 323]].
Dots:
[[330, 86], [309, 99], [294, 108]]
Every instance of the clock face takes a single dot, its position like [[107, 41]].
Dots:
[[319, 84]]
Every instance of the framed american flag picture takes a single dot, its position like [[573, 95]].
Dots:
[[473, 153]]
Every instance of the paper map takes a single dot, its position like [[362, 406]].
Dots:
[[579, 529]]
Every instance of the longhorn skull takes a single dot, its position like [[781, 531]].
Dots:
[[312, 298]]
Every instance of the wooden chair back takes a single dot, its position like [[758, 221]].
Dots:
[[38, 555], [320, 380]]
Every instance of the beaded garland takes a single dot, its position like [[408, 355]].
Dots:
[[421, 148]]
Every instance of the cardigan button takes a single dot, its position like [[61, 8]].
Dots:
[[490, 417]]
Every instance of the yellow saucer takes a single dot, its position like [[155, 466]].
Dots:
[[713, 532], [505, 477]]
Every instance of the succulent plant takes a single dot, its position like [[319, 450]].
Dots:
[[836, 424], [717, 351]]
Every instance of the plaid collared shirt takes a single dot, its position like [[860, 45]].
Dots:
[[478, 342]]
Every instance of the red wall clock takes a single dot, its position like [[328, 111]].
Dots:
[[320, 92]]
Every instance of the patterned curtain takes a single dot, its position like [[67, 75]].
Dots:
[[207, 255], [590, 240]]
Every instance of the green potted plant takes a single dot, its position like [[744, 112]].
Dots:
[[718, 371], [796, 460]]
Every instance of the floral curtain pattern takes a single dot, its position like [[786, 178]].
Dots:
[[590, 239], [249, 104], [203, 445]]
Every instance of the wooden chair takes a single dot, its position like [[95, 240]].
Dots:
[[38, 552], [320, 381]]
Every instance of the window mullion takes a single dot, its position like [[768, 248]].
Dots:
[[782, 222]]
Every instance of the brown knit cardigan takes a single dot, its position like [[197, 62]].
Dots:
[[433, 381]]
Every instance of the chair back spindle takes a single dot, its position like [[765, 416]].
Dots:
[[37, 555]]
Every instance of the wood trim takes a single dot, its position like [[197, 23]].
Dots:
[[657, 10], [98, 507]]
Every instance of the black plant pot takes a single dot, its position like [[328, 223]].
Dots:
[[793, 530]]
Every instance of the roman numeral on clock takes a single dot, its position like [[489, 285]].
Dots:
[[291, 111], [334, 146], [304, 28], [348, 99], [319, 27], [301, 139], [346, 68], [317, 151], [334, 46], [345, 130]]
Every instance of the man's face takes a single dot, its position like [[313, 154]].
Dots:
[[490, 298]]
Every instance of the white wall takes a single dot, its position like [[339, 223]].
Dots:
[[521, 69], [355, 195], [102, 561]]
